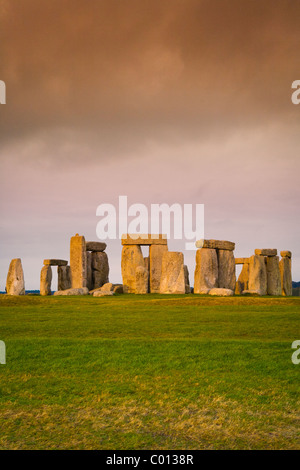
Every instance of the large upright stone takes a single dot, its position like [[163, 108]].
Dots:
[[215, 244], [89, 271], [132, 257], [243, 280], [258, 275], [285, 266], [15, 284], [156, 253], [63, 277], [187, 280], [45, 281], [141, 280], [273, 276], [78, 262], [206, 272], [100, 268], [226, 263], [172, 273]]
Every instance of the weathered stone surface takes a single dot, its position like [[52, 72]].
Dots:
[[95, 246], [89, 270], [55, 262], [187, 280], [63, 277], [286, 254], [206, 272], [118, 289], [285, 266], [273, 276], [172, 273], [243, 280], [15, 284], [226, 274], [78, 262], [141, 280], [155, 256], [73, 291], [100, 293], [45, 280], [258, 275], [221, 292], [215, 244], [144, 239], [108, 286], [100, 268], [241, 260], [266, 252], [132, 257]]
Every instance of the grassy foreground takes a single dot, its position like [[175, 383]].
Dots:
[[149, 372]]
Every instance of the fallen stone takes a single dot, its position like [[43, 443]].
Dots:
[[206, 272], [100, 269], [258, 275], [243, 280], [285, 266], [63, 277], [15, 284], [273, 276], [156, 253], [55, 262], [100, 293], [266, 252], [132, 257], [95, 246], [45, 280], [78, 262], [226, 273], [73, 291], [286, 254], [221, 292], [141, 280], [215, 244], [118, 289], [144, 239], [241, 260], [172, 273]]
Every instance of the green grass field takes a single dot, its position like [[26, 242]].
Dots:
[[149, 372]]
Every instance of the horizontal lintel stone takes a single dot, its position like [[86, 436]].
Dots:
[[266, 252], [144, 239], [286, 254], [95, 246], [215, 244], [241, 260], [55, 262]]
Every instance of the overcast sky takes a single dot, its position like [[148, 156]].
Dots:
[[176, 101]]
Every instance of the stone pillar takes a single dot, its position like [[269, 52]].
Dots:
[[172, 273], [141, 280], [273, 276], [226, 275], [206, 272], [257, 275], [89, 270], [285, 266], [132, 257], [243, 280], [187, 280], [78, 262], [156, 253], [45, 282], [63, 277], [100, 269], [15, 284]]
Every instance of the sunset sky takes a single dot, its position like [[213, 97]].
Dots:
[[165, 101]]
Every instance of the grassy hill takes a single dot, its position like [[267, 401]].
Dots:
[[149, 372]]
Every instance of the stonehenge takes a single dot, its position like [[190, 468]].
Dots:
[[15, 284]]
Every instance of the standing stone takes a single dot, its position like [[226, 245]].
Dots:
[[147, 266], [206, 272], [63, 277], [226, 276], [15, 284], [132, 257], [156, 253], [141, 280], [45, 281], [78, 262], [89, 270], [172, 273], [187, 280], [243, 280], [285, 266], [273, 276], [100, 268], [257, 275]]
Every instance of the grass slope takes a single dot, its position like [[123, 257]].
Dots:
[[149, 372]]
